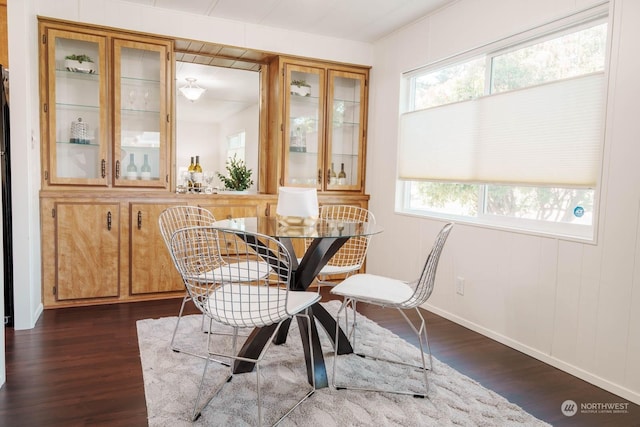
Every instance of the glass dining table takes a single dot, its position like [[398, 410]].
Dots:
[[328, 236]]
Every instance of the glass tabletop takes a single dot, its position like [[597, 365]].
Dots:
[[322, 228]]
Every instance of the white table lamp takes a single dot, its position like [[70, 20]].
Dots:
[[297, 206]]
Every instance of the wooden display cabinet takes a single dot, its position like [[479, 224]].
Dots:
[[320, 112], [105, 110], [100, 238]]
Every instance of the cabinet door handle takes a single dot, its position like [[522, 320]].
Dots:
[[320, 175], [117, 169], [139, 220], [103, 168], [229, 216], [328, 177], [109, 220]]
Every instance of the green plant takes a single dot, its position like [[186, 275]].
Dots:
[[300, 83], [239, 178], [80, 58]]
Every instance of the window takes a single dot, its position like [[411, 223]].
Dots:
[[236, 146], [511, 135]]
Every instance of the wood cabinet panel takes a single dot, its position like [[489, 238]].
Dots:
[[233, 210], [87, 250], [152, 268]]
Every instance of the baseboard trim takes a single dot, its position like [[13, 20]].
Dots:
[[576, 371]]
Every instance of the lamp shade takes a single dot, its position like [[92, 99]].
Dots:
[[192, 91], [297, 206]]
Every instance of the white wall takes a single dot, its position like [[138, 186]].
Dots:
[[196, 139], [248, 121], [573, 305], [209, 141]]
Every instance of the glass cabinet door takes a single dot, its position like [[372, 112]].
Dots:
[[140, 116], [304, 126], [345, 130], [77, 124]]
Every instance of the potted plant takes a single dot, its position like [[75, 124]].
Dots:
[[79, 63], [300, 88], [239, 178]]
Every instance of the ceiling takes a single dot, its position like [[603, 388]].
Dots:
[[228, 92], [361, 20]]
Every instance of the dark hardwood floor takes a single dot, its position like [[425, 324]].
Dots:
[[80, 366]]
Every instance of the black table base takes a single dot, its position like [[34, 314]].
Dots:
[[317, 255]]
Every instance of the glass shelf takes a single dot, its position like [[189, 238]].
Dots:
[[346, 101], [138, 80], [140, 147], [296, 152], [75, 144], [77, 107], [63, 73], [314, 100], [138, 111], [337, 124]]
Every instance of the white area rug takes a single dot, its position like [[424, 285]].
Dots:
[[171, 383]]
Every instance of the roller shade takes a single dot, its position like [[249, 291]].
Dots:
[[546, 135]]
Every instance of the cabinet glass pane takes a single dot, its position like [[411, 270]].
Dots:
[[140, 98], [304, 133], [345, 130], [77, 109]]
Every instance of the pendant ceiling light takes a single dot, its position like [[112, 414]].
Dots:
[[192, 91]]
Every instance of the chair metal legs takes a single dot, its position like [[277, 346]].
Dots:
[[175, 330], [420, 331], [177, 349], [197, 410]]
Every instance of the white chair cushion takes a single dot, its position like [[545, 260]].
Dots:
[[372, 288], [256, 306], [298, 301], [339, 269], [236, 272]]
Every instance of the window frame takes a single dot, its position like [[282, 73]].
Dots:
[[241, 136], [598, 14]]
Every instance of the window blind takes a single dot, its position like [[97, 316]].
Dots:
[[546, 135]]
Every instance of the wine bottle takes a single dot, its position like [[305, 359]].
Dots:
[[191, 168], [302, 140], [332, 176], [197, 176], [145, 170], [294, 144], [132, 170], [342, 176]]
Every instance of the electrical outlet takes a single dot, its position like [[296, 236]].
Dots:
[[460, 285]]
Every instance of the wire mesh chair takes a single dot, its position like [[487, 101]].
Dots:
[[351, 255], [261, 302], [171, 220], [178, 217], [387, 292]]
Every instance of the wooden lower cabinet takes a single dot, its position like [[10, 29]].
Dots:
[[100, 250], [151, 267], [233, 210], [87, 250]]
